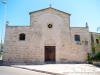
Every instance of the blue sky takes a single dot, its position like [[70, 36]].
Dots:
[[81, 11]]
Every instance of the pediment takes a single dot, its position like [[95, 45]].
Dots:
[[50, 8]]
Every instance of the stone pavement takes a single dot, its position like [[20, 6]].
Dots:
[[63, 69], [7, 70]]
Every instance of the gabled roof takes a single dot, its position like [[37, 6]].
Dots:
[[49, 8]]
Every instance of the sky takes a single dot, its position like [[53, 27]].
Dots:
[[82, 11]]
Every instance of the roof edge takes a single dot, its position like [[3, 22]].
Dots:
[[48, 8]]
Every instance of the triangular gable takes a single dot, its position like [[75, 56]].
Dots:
[[50, 8]]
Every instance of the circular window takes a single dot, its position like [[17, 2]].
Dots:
[[49, 25]]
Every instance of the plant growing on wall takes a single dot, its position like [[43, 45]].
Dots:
[[90, 58], [96, 55], [96, 45]]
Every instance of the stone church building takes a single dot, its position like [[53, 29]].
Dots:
[[49, 38]]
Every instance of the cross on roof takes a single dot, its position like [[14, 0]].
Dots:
[[50, 5]]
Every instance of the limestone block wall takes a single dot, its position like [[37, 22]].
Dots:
[[22, 51], [81, 49], [58, 35]]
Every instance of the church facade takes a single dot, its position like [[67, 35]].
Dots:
[[49, 38]]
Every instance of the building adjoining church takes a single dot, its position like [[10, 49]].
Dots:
[[48, 38]]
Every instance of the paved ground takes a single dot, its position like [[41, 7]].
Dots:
[[66, 69], [50, 69], [7, 70]]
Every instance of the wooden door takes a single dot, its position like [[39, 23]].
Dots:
[[49, 53]]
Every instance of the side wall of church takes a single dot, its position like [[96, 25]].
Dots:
[[84, 46], [17, 51]]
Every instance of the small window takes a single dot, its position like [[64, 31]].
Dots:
[[22, 36], [77, 37], [97, 41]]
